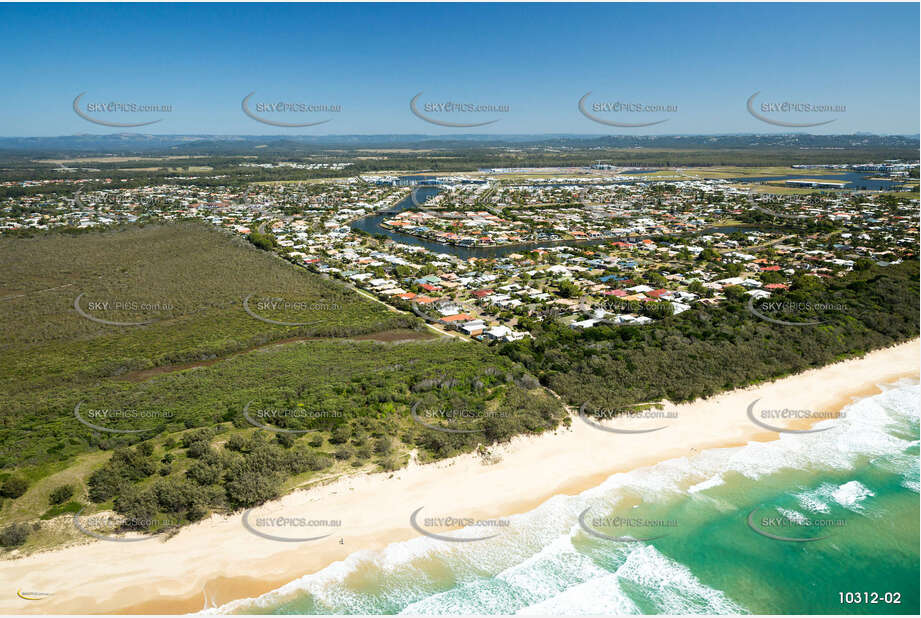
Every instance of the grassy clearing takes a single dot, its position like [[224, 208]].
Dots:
[[777, 190], [755, 172], [186, 282], [705, 173]]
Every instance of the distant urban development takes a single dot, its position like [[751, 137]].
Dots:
[[485, 255]]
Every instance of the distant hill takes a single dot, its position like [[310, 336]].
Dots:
[[136, 144]]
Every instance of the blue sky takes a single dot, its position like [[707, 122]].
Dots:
[[538, 59]]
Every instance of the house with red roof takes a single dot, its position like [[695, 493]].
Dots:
[[457, 317]]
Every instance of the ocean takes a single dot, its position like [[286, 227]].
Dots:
[[822, 522]]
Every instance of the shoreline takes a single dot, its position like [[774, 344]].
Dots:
[[217, 561]]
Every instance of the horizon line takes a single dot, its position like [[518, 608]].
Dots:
[[916, 134]]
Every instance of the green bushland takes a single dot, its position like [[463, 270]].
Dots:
[[266, 242], [198, 275], [352, 400], [196, 453], [704, 351], [321, 386]]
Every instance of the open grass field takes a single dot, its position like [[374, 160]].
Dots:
[[190, 169], [306, 181], [912, 195], [119, 159], [679, 173], [776, 189], [156, 296], [707, 173]]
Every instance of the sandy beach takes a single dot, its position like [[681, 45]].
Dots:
[[219, 560]]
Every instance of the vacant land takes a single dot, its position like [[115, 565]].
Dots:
[[778, 190], [156, 296], [118, 159]]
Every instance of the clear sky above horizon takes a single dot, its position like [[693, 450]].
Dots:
[[538, 59]]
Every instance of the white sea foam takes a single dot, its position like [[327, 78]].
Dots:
[[850, 495], [810, 501], [904, 464], [671, 587], [713, 481], [552, 570], [602, 595], [486, 596], [536, 568], [794, 516]]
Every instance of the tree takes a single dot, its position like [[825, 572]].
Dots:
[[196, 511], [735, 292], [173, 495], [105, 483], [659, 310], [383, 445], [13, 487], [204, 474], [236, 442], [568, 289], [131, 464], [60, 495], [708, 255], [656, 279], [246, 488], [342, 453], [285, 439], [265, 242], [696, 287], [806, 283], [139, 508], [198, 449], [340, 434], [14, 535], [771, 276]]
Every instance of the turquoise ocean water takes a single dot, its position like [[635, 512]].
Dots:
[[853, 487]]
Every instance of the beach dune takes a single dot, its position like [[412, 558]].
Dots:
[[220, 560]]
